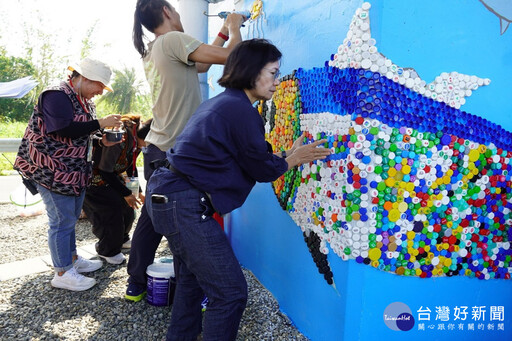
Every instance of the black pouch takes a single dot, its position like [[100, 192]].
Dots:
[[30, 184]]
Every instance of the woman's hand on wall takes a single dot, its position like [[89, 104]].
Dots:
[[307, 153]]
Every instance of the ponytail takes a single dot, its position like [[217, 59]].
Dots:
[[148, 13], [138, 35]]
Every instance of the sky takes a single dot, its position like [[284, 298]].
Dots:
[[68, 21]]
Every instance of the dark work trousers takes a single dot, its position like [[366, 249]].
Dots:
[[145, 240], [207, 265], [111, 218]]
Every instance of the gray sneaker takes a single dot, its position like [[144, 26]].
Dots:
[[86, 265], [72, 280]]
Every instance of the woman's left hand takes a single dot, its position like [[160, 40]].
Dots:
[[108, 143], [142, 198]]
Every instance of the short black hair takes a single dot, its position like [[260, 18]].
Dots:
[[144, 128], [246, 61]]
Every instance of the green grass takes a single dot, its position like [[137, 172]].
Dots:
[[10, 130], [16, 130]]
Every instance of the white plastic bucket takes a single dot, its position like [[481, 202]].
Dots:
[[161, 284]]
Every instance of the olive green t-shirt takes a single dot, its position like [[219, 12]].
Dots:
[[174, 86]]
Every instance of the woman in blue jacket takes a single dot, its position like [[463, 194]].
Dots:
[[215, 163]]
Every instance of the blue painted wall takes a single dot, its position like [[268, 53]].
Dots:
[[443, 36], [432, 37]]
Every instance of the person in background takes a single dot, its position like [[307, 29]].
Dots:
[[109, 204], [172, 62], [213, 166], [55, 153]]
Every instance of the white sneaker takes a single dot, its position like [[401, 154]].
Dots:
[[117, 259], [72, 280], [87, 265], [127, 244]]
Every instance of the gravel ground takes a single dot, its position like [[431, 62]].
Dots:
[[30, 309]]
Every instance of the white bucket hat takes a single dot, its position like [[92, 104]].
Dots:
[[94, 70]]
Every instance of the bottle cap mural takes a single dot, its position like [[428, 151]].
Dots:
[[414, 185]]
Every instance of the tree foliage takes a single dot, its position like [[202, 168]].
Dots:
[[12, 68], [126, 89], [88, 42], [46, 65], [40, 51]]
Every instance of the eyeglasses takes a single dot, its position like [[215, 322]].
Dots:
[[275, 73]]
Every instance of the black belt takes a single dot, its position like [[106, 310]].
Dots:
[[166, 164], [159, 163]]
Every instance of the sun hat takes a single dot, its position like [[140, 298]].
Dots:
[[94, 70]]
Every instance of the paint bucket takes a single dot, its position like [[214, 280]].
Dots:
[[161, 284]]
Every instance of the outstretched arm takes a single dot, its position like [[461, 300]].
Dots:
[[206, 55], [307, 153]]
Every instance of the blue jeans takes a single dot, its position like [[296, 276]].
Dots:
[[207, 264], [63, 212]]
